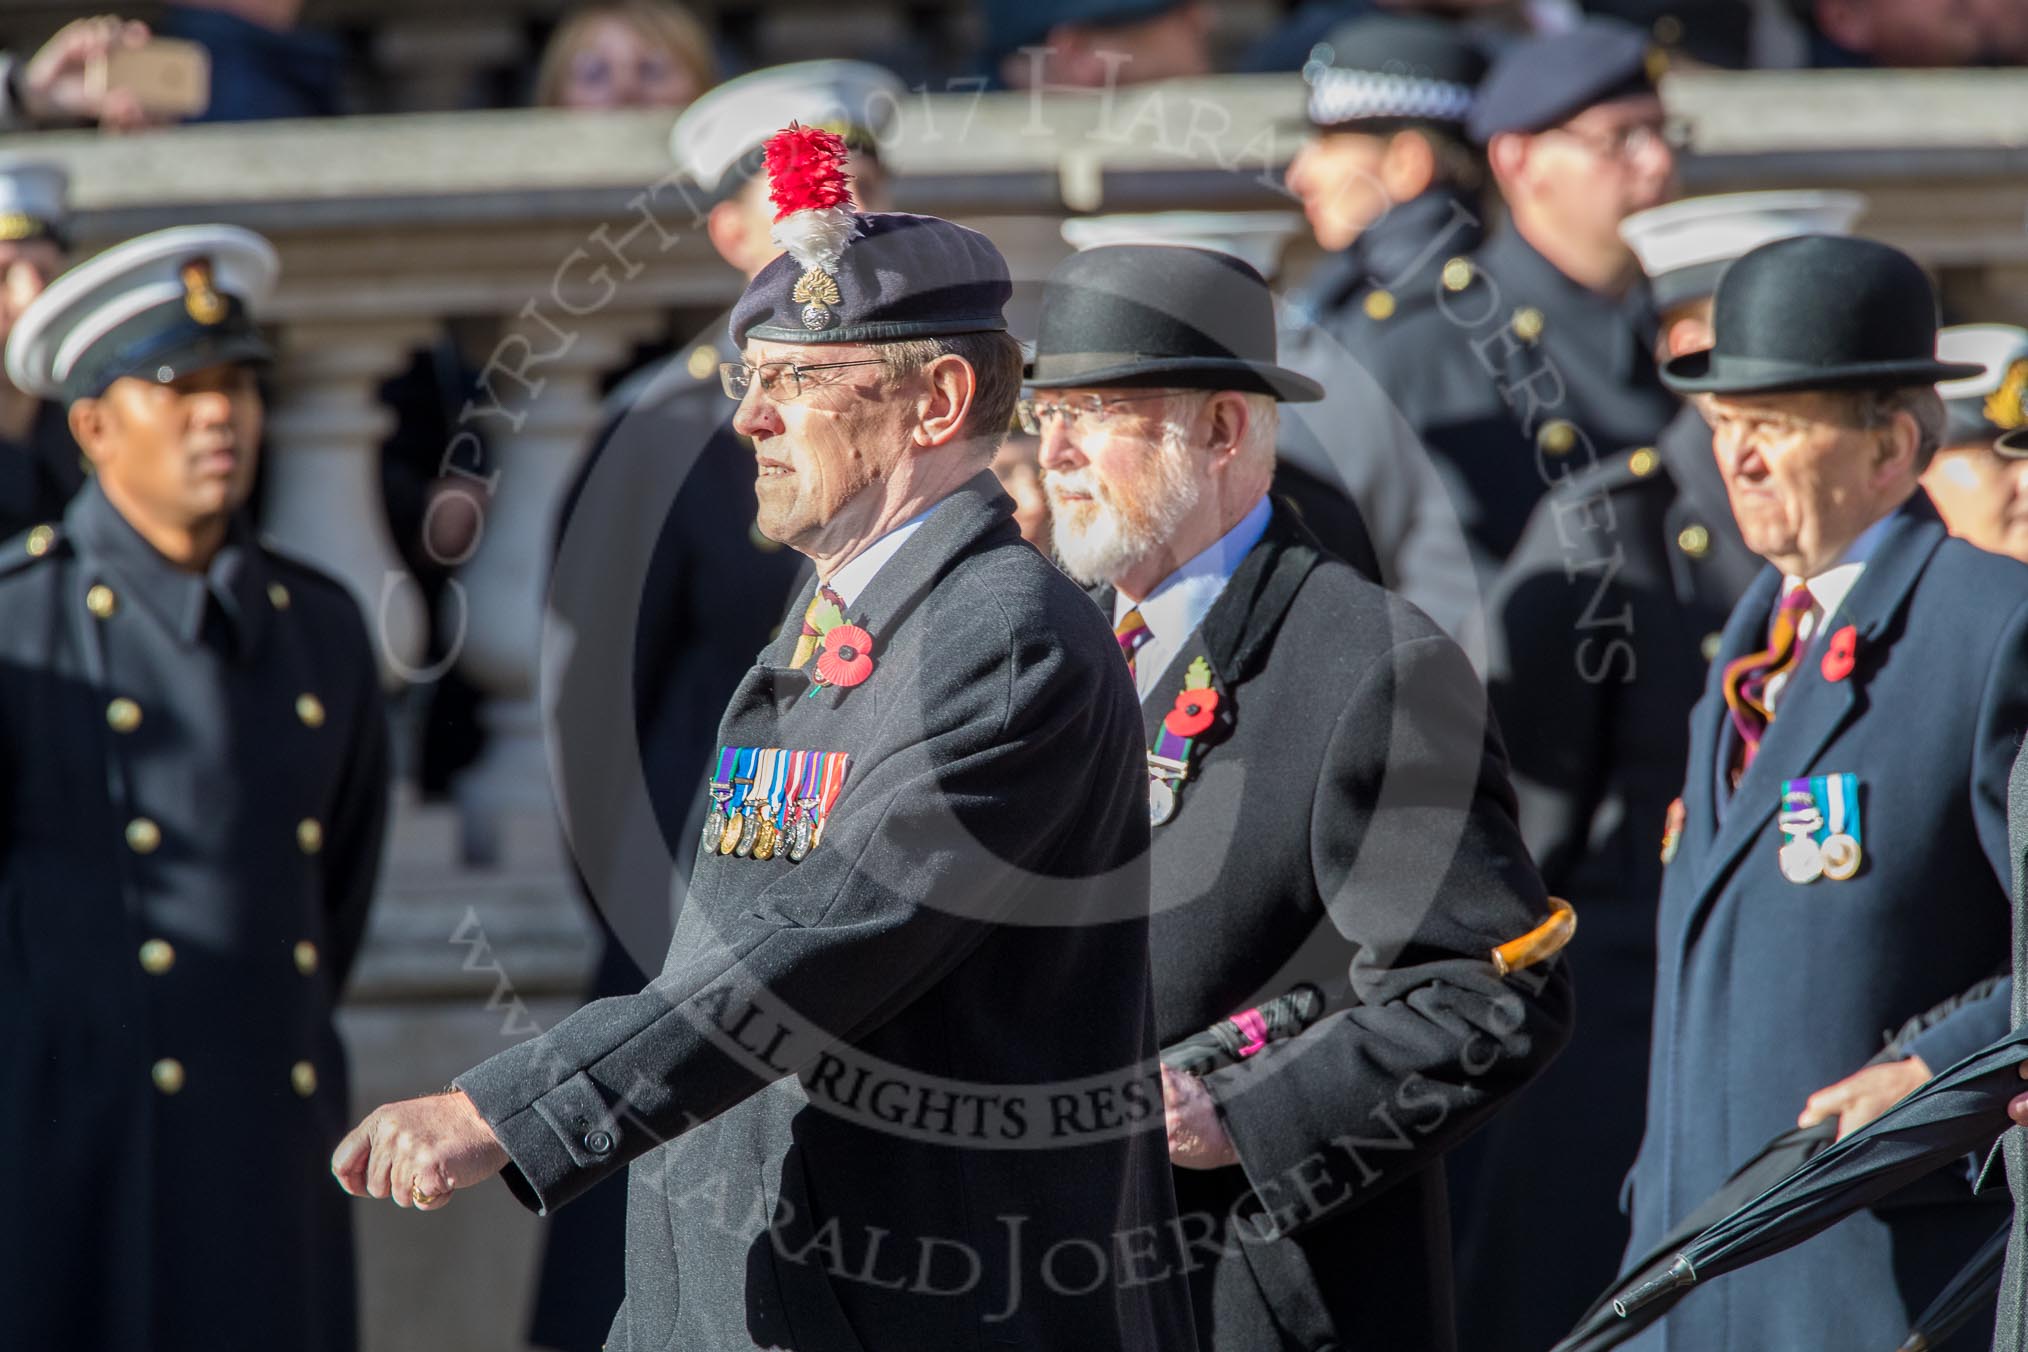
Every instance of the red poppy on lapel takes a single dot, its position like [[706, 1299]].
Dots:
[[846, 658], [1193, 711], [1838, 658]]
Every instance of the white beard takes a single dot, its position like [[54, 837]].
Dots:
[[1122, 523]]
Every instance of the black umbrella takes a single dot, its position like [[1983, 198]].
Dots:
[[1602, 1327], [1963, 1296], [1958, 1112]]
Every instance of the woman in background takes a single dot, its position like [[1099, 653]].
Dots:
[[626, 54]]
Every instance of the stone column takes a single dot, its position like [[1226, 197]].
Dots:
[[323, 498], [542, 383]]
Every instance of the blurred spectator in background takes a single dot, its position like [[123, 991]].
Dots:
[[1015, 464], [1896, 32], [662, 575], [1392, 190], [1539, 354], [2004, 26], [1600, 630], [626, 54], [40, 467], [1980, 490], [1091, 44], [262, 64], [56, 86]]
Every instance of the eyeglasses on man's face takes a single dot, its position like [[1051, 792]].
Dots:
[[1085, 410], [1631, 141], [778, 380]]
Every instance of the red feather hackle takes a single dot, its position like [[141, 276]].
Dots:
[[806, 170]]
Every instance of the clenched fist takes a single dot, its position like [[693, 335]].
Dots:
[[418, 1151]]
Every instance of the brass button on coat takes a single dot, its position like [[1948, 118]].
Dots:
[[1694, 540], [306, 957], [1643, 462], [101, 602], [157, 957], [1558, 436], [168, 1075], [310, 835], [303, 1078], [1457, 274], [1379, 305], [311, 710], [278, 596], [143, 836], [1528, 323], [1709, 647], [39, 541], [123, 715]]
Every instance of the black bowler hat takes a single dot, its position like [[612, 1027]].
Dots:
[[1544, 81], [1161, 316], [1819, 312]]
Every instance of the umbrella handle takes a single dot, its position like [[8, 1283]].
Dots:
[[1679, 1275]]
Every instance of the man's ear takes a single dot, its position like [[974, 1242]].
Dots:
[[946, 403], [1224, 418], [88, 419], [1409, 166], [1507, 156], [729, 227], [1897, 445]]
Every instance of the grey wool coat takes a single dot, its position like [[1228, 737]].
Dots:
[[1347, 820], [899, 1095]]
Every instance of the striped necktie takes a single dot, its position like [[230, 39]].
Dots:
[[1746, 678], [1132, 631], [806, 642]]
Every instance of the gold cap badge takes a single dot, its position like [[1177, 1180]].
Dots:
[[200, 299]]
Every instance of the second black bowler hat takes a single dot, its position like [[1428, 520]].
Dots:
[[1819, 312], [1161, 316]]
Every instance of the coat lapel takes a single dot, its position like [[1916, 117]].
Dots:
[[1813, 709], [954, 528]]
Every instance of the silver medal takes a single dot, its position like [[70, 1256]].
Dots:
[[1161, 801], [1801, 860]]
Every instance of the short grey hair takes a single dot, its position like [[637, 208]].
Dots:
[[995, 359], [1875, 409]]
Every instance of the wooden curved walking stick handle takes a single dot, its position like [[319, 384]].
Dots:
[[1545, 941]]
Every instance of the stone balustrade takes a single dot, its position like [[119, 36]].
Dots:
[[565, 239]]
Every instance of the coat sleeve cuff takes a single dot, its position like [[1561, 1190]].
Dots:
[[557, 1146], [1968, 1028]]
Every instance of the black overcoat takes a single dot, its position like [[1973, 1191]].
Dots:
[[1347, 820], [193, 796], [898, 1095]]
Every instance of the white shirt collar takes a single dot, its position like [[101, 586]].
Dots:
[[1175, 608], [851, 579], [1829, 588]]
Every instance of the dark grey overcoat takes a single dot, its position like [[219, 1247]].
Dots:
[[1347, 821], [898, 1095]]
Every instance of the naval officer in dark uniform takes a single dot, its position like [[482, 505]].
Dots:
[[1600, 629], [40, 468], [893, 1088], [661, 572], [193, 736], [1538, 353], [1392, 190], [1330, 805]]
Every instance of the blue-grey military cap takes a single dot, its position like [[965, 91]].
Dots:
[[34, 200], [1546, 80]]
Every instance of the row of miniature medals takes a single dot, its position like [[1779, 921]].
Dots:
[[766, 801]]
